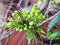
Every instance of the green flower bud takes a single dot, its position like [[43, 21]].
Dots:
[[10, 19], [8, 25], [30, 27], [37, 13], [20, 30], [17, 29], [16, 14], [31, 23], [18, 19], [25, 28], [34, 9], [25, 14], [41, 17]]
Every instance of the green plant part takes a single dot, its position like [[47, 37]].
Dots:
[[26, 21], [40, 31], [37, 13], [18, 20], [10, 19], [16, 14], [41, 17], [53, 35], [8, 25], [25, 27], [53, 22], [17, 29], [29, 36], [25, 14], [31, 23], [34, 9]]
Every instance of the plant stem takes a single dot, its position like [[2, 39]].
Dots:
[[50, 18]]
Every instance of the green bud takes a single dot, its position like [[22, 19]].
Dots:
[[30, 27], [16, 14], [18, 19], [34, 9], [41, 17], [8, 25], [31, 23], [37, 13], [25, 28], [25, 14], [10, 19], [17, 29], [20, 30]]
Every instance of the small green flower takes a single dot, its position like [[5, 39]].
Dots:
[[25, 14], [20, 30], [31, 23], [37, 13], [8, 25], [34, 8], [25, 28], [17, 29]]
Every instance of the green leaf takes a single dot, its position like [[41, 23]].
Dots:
[[29, 36], [48, 34], [35, 19], [8, 25], [40, 31], [57, 32], [53, 35], [53, 22]]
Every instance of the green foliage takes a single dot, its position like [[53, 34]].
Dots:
[[40, 31], [29, 21], [55, 33], [26, 21], [34, 9], [8, 25], [53, 22], [16, 14], [29, 36]]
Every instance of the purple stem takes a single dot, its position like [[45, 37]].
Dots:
[[45, 5]]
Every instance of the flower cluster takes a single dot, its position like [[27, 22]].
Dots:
[[24, 20]]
